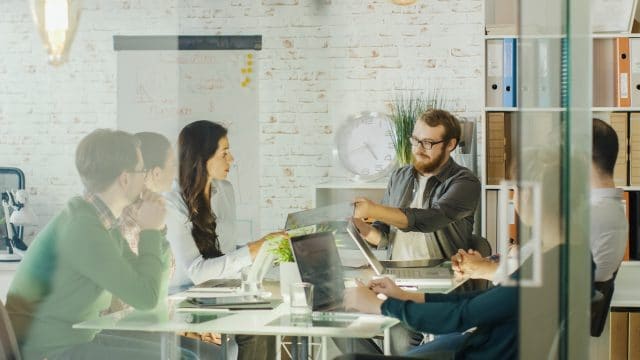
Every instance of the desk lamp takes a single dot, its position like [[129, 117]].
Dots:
[[16, 214]]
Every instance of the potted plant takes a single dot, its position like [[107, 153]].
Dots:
[[405, 110], [289, 273]]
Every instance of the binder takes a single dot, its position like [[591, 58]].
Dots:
[[494, 73], [634, 149], [618, 335], [603, 72], [634, 336], [619, 124], [625, 203], [509, 73], [498, 146], [492, 219], [622, 73], [634, 50], [549, 71]]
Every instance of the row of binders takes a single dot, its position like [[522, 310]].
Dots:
[[627, 126], [501, 73], [616, 72], [539, 80]]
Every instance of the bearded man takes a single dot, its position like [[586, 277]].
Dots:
[[428, 208]]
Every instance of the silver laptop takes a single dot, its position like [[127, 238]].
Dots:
[[418, 272], [320, 215]]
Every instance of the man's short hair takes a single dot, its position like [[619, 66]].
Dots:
[[605, 146], [103, 155], [436, 117]]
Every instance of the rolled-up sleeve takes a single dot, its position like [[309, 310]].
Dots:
[[459, 201]]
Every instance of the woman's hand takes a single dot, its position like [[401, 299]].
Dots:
[[254, 247], [389, 288], [362, 299]]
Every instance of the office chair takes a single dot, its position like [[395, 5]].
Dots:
[[600, 304], [481, 245]]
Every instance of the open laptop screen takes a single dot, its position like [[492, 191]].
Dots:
[[319, 264]]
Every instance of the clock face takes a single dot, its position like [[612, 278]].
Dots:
[[365, 146]]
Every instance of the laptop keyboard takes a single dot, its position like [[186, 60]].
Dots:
[[419, 273], [217, 283]]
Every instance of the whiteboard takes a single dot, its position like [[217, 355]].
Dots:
[[163, 90]]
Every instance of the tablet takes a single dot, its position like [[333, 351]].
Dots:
[[228, 300]]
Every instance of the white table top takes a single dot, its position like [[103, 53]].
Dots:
[[627, 289], [250, 322]]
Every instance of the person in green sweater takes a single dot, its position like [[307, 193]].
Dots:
[[80, 259]]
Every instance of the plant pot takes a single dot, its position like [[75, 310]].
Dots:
[[289, 274]]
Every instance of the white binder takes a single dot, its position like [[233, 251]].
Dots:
[[634, 46], [494, 73]]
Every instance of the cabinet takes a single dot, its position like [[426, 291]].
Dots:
[[336, 192]]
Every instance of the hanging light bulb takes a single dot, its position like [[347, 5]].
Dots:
[[57, 21]]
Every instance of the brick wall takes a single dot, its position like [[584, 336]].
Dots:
[[321, 61]]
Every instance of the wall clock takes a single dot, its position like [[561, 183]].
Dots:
[[364, 146]]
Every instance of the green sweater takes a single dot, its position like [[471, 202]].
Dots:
[[70, 272]]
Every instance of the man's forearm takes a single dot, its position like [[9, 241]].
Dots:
[[391, 216]]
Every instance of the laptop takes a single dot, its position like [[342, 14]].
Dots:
[[320, 215], [409, 273], [317, 258]]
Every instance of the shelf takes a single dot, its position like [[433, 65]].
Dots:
[[491, 187], [525, 37], [561, 36], [515, 109], [629, 188], [612, 109], [614, 35]]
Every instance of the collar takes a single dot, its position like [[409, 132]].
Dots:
[[104, 213]]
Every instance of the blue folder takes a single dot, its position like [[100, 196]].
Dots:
[[509, 73]]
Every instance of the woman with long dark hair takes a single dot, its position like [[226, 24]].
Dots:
[[193, 230], [196, 235]]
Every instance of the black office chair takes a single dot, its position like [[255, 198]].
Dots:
[[600, 304], [481, 245]]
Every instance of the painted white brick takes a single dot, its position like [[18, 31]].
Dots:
[[321, 62]]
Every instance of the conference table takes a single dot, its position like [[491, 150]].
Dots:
[[171, 318]]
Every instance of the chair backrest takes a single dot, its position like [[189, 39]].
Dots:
[[9, 349], [600, 304], [481, 245]]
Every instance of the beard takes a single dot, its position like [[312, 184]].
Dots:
[[430, 165]]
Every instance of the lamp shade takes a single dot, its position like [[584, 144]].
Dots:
[[56, 21]]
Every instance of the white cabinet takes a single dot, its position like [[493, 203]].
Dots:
[[332, 193]]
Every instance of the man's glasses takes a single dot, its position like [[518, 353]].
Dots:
[[426, 144]]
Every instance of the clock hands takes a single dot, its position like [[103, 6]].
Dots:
[[366, 146], [370, 150]]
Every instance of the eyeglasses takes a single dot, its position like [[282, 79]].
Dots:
[[426, 144]]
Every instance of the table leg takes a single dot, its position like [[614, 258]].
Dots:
[[387, 342], [278, 347], [224, 341], [324, 347]]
